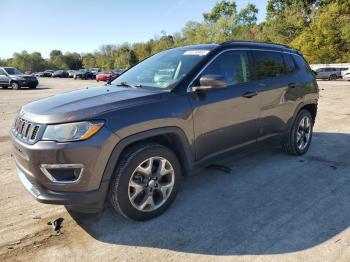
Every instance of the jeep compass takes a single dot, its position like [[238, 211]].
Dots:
[[130, 142]]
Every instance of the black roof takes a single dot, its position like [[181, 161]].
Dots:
[[242, 44], [259, 45]]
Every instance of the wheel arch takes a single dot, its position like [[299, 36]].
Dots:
[[172, 137], [311, 106]]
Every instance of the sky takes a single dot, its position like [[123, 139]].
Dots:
[[83, 26]]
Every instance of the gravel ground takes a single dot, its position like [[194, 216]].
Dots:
[[272, 207]]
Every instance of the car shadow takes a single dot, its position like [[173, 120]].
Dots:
[[270, 203]]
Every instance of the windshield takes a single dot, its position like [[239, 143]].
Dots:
[[163, 70], [13, 71]]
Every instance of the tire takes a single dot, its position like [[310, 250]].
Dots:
[[15, 85], [32, 86], [5, 87], [294, 145], [138, 205], [332, 77]]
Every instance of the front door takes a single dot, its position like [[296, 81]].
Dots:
[[225, 118], [3, 78]]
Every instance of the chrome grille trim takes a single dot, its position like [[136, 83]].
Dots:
[[26, 130]]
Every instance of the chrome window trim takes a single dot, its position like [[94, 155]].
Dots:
[[44, 167], [189, 89]]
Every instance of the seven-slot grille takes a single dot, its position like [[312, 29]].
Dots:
[[25, 130]]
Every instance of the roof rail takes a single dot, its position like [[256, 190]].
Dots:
[[253, 42]]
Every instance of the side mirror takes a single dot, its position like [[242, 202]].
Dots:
[[210, 82]]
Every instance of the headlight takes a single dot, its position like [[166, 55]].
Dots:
[[72, 131]]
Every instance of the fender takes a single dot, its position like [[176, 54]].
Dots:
[[186, 156]]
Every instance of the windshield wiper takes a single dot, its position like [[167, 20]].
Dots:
[[128, 85]]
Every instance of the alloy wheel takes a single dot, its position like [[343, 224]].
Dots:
[[304, 133], [151, 184]]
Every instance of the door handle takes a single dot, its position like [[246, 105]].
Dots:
[[250, 94], [292, 85]]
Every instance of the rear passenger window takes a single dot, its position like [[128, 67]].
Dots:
[[289, 63], [268, 64], [232, 65], [303, 65]]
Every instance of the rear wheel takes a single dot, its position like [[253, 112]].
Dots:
[[15, 85], [145, 181], [332, 77], [4, 87], [299, 138], [33, 86]]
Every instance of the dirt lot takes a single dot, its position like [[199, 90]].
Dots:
[[272, 207]]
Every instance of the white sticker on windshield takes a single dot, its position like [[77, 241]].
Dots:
[[196, 52]]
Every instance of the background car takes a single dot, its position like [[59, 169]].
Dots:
[[14, 78], [95, 70], [104, 76], [60, 74], [330, 73], [84, 74], [46, 73], [118, 71], [346, 75], [71, 73]]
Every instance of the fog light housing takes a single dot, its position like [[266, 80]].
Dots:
[[62, 173]]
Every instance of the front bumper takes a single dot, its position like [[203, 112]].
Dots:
[[28, 82], [83, 201], [88, 192]]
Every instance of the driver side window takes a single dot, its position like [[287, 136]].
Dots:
[[232, 65], [2, 73]]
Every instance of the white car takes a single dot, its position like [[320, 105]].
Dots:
[[346, 75], [345, 71]]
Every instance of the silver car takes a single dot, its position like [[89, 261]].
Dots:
[[330, 73], [15, 78]]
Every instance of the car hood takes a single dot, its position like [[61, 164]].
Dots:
[[23, 76], [88, 103]]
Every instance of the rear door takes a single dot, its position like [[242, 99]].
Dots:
[[273, 83], [226, 118]]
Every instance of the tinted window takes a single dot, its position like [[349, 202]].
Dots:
[[233, 65], [289, 63], [13, 71], [268, 64], [302, 64]]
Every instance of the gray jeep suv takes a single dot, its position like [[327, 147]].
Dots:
[[131, 141], [12, 77]]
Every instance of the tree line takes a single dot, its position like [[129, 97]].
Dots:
[[320, 29]]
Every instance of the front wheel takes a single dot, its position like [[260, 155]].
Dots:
[[145, 181], [299, 138], [15, 85]]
